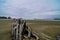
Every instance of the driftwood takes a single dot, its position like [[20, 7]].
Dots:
[[20, 30]]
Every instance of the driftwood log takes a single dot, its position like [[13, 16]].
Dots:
[[20, 30]]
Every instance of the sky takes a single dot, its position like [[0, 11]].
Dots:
[[30, 9]]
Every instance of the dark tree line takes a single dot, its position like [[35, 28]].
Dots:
[[3, 17], [57, 19]]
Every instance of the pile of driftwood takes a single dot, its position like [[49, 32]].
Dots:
[[20, 30]]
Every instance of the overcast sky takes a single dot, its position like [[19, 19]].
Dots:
[[30, 9]]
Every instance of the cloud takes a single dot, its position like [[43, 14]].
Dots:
[[30, 8]]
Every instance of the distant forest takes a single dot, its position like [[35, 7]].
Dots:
[[57, 19], [3, 17]]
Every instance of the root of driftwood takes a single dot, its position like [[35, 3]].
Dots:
[[20, 30]]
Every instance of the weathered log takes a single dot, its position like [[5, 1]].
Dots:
[[20, 30]]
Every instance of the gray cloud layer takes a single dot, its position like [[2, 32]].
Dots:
[[30, 9]]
